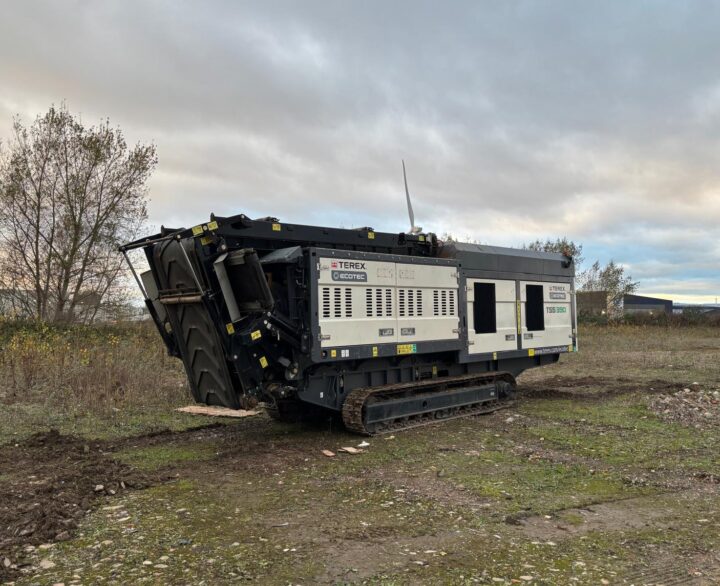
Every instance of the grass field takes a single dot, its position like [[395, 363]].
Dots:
[[604, 472]]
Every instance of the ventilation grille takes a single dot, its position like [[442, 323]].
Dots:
[[378, 302], [348, 302], [444, 302], [410, 302], [337, 302], [326, 302]]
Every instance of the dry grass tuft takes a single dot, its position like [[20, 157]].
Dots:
[[88, 368]]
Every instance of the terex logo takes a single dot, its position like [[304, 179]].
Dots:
[[348, 264], [334, 264]]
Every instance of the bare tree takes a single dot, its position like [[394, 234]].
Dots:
[[69, 195], [610, 278]]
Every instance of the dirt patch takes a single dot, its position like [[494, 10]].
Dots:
[[536, 452], [666, 570], [590, 388], [48, 483], [621, 515], [354, 561], [431, 486], [692, 406]]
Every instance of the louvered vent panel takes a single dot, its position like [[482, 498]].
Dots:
[[326, 301], [337, 302], [348, 302]]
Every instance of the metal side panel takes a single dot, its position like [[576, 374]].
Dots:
[[363, 301], [557, 315], [196, 333], [504, 336], [357, 302]]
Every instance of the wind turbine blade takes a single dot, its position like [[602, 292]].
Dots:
[[407, 196]]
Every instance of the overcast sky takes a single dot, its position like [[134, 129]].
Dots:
[[599, 121]]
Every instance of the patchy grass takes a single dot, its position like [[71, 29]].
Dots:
[[161, 456], [642, 353], [19, 421]]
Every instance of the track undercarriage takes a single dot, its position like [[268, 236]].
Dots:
[[396, 407]]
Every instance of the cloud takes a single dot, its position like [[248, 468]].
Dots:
[[524, 120]]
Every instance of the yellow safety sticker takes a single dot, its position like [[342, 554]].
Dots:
[[263, 362], [570, 348], [371, 235], [421, 238], [276, 227], [519, 321], [205, 240], [531, 352], [333, 353], [256, 335], [406, 348], [434, 370], [197, 230], [494, 355], [230, 329], [375, 351], [212, 225]]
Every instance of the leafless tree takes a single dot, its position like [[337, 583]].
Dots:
[[610, 278], [69, 195]]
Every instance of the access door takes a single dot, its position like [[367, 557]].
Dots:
[[545, 314], [491, 315]]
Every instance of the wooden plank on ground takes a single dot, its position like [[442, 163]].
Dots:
[[216, 411]]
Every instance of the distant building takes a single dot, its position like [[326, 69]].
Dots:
[[707, 309], [633, 304], [592, 303], [595, 303]]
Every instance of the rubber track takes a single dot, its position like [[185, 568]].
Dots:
[[353, 407]]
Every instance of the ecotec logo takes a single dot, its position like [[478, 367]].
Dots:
[[352, 276], [348, 264]]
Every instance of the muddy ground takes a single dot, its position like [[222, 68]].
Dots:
[[595, 476]]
